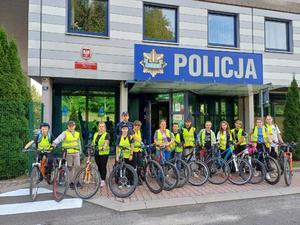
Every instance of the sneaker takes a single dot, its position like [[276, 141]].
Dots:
[[256, 174], [128, 186], [140, 182], [72, 186], [78, 184], [102, 184], [268, 176]]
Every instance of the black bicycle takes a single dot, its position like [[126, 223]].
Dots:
[[170, 171], [123, 179], [61, 177], [151, 172], [199, 172]]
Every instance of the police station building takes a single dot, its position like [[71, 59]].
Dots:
[[170, 59]]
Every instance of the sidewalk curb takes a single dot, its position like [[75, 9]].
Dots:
[[143, 205]]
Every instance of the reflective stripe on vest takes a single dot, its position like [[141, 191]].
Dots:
[[223, 140], [188, 136], [44, 144], [239, 136], [101, 143], [71, 142], [125, 143], [160, 136], [137, 144], [212, 137], [265, 136]]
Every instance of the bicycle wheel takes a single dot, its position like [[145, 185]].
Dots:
[[60, 183], [183, 171], [199, 173], [241, 173], [218, 170], [287, 172], [259, 171], [87, 182], [171, 176], [273, 171], [34, 182], [154, 176], [123, 180]]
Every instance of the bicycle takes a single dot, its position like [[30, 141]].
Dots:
[[183, 170], [88, 177], [170, 171], [123, 177], [259, 169], [272, 167], [218, 168], [38, 173], [61, 177], [285, 160], [151, 172], [240, 171], [199, 172]]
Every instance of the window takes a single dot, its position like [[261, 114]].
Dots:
[[222, 30], [277, 34], [88, 17], [160, 23]]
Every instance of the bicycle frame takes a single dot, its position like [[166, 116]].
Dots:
[[229, 152]]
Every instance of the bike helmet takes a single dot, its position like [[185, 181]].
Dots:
[[45, 125]]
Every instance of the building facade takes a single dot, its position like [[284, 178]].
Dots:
[[157, 59]]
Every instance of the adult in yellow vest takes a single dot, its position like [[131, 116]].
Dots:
[[43, 141], [274, 132], [137, 152], [163, 138], [71, 141], [207, 139], [261, 139], [224, 137], [189, 137], [101, 141], [260, 136], [124, 145], [239, 137]]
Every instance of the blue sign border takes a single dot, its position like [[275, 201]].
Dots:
[[197, 65]]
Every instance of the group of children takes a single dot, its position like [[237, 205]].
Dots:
[[175, 143]]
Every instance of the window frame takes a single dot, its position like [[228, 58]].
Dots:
[[236, 29], [164, 6], [93, 34], [289, 35]]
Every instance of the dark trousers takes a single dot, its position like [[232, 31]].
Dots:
[[137, 161], [49, 165], [273, 153], [101, 161], [239, 148], [130, 175], [261, 147]]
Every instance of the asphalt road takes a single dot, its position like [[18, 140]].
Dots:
[[282, 210]]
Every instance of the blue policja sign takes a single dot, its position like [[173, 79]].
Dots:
[[196, 65]]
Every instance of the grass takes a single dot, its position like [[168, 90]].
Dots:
[[296, 164]]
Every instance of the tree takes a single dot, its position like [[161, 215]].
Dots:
[[37, 106], [74, 117], [291, 123], [14, 100], [157, 25]]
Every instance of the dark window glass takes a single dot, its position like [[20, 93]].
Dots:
[[88, 16], [160, 23], [277, 35], [222, 30]]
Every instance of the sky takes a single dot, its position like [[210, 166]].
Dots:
[[37, 86]]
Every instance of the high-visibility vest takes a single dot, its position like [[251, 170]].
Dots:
[[175, 145], [44, 144], [269, 129], [71, 142], [101, 142], [265, 136], [125, 142], [239, 136], [160, 136], [223, 140], [202, 137], [188, 136], [137, 144]]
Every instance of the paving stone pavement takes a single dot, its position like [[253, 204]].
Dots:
[[142, 198]]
